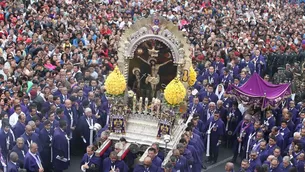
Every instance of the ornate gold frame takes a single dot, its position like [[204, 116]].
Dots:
[[147, 29]]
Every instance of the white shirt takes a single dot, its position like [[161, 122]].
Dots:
[[13, 119]]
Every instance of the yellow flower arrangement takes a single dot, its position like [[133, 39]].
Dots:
[[115, 83], [174, 92], [192, 76]]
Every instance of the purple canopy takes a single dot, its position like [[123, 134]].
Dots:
[[260, 92]]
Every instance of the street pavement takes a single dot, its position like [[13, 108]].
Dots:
[[224, 156]]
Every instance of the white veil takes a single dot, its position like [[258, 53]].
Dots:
[[219, 95]]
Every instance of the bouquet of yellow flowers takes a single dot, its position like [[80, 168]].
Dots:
[[174, 92], [115, 83], [192, 76]]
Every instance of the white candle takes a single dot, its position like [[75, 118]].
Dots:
[[146, 105], [140, 105]]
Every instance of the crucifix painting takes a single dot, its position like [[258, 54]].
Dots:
[[155, 62]]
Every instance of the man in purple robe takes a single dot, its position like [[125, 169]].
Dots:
[[33, 113], [29, 136], [86, 124], [57, 102], [20, 126], [181, 163], [285, 132], [32, 160], [255, 143], [226, 79], [243, 78], [263, 152], [278, 136], [210, 94], [269, 122], [271, 144], [147, 166], [275, 167], [218, 65], [227, 101], [293, 110], [160, 154], [208, 113], [234, 117], [112, 163], [194, 138], [63, 95], [6, 138], [21, 149], [285, 165], [247, 63], [244, 167], [92, 104], [289, 123], [61, 148], [71, 115], [242, 132], [90, 162], [215, 129], [181, 146], [235, 70], [195, 107], [212, 77], [254, 161], [222, 111], [46, 136], [12, 164], [100, 140], [152, 153], [277, 154], [53, 122]]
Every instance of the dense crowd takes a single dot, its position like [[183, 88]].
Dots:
[[55, 56]]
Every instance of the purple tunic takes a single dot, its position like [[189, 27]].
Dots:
[[107, 164], [60, 147]]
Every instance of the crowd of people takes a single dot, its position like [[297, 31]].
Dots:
[[55, 56]]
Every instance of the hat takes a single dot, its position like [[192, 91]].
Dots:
[[28, 41], [33, 93], [19, 39], [280, 68]]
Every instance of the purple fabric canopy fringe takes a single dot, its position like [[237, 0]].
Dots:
[[258, 91]]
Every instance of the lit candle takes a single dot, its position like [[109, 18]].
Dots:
[[146, 105], [140, 104]]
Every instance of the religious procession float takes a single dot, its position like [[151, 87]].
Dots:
[[146, 92]]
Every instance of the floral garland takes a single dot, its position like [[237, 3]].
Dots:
[[115, 83], [192, 76], [174, 92]]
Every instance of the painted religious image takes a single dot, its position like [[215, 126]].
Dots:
[[151, 69]]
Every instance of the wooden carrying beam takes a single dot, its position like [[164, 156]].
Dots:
[[122, 154], [144, 155], [104, 147]]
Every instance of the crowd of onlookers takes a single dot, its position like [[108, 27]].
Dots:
[[52, 51]]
